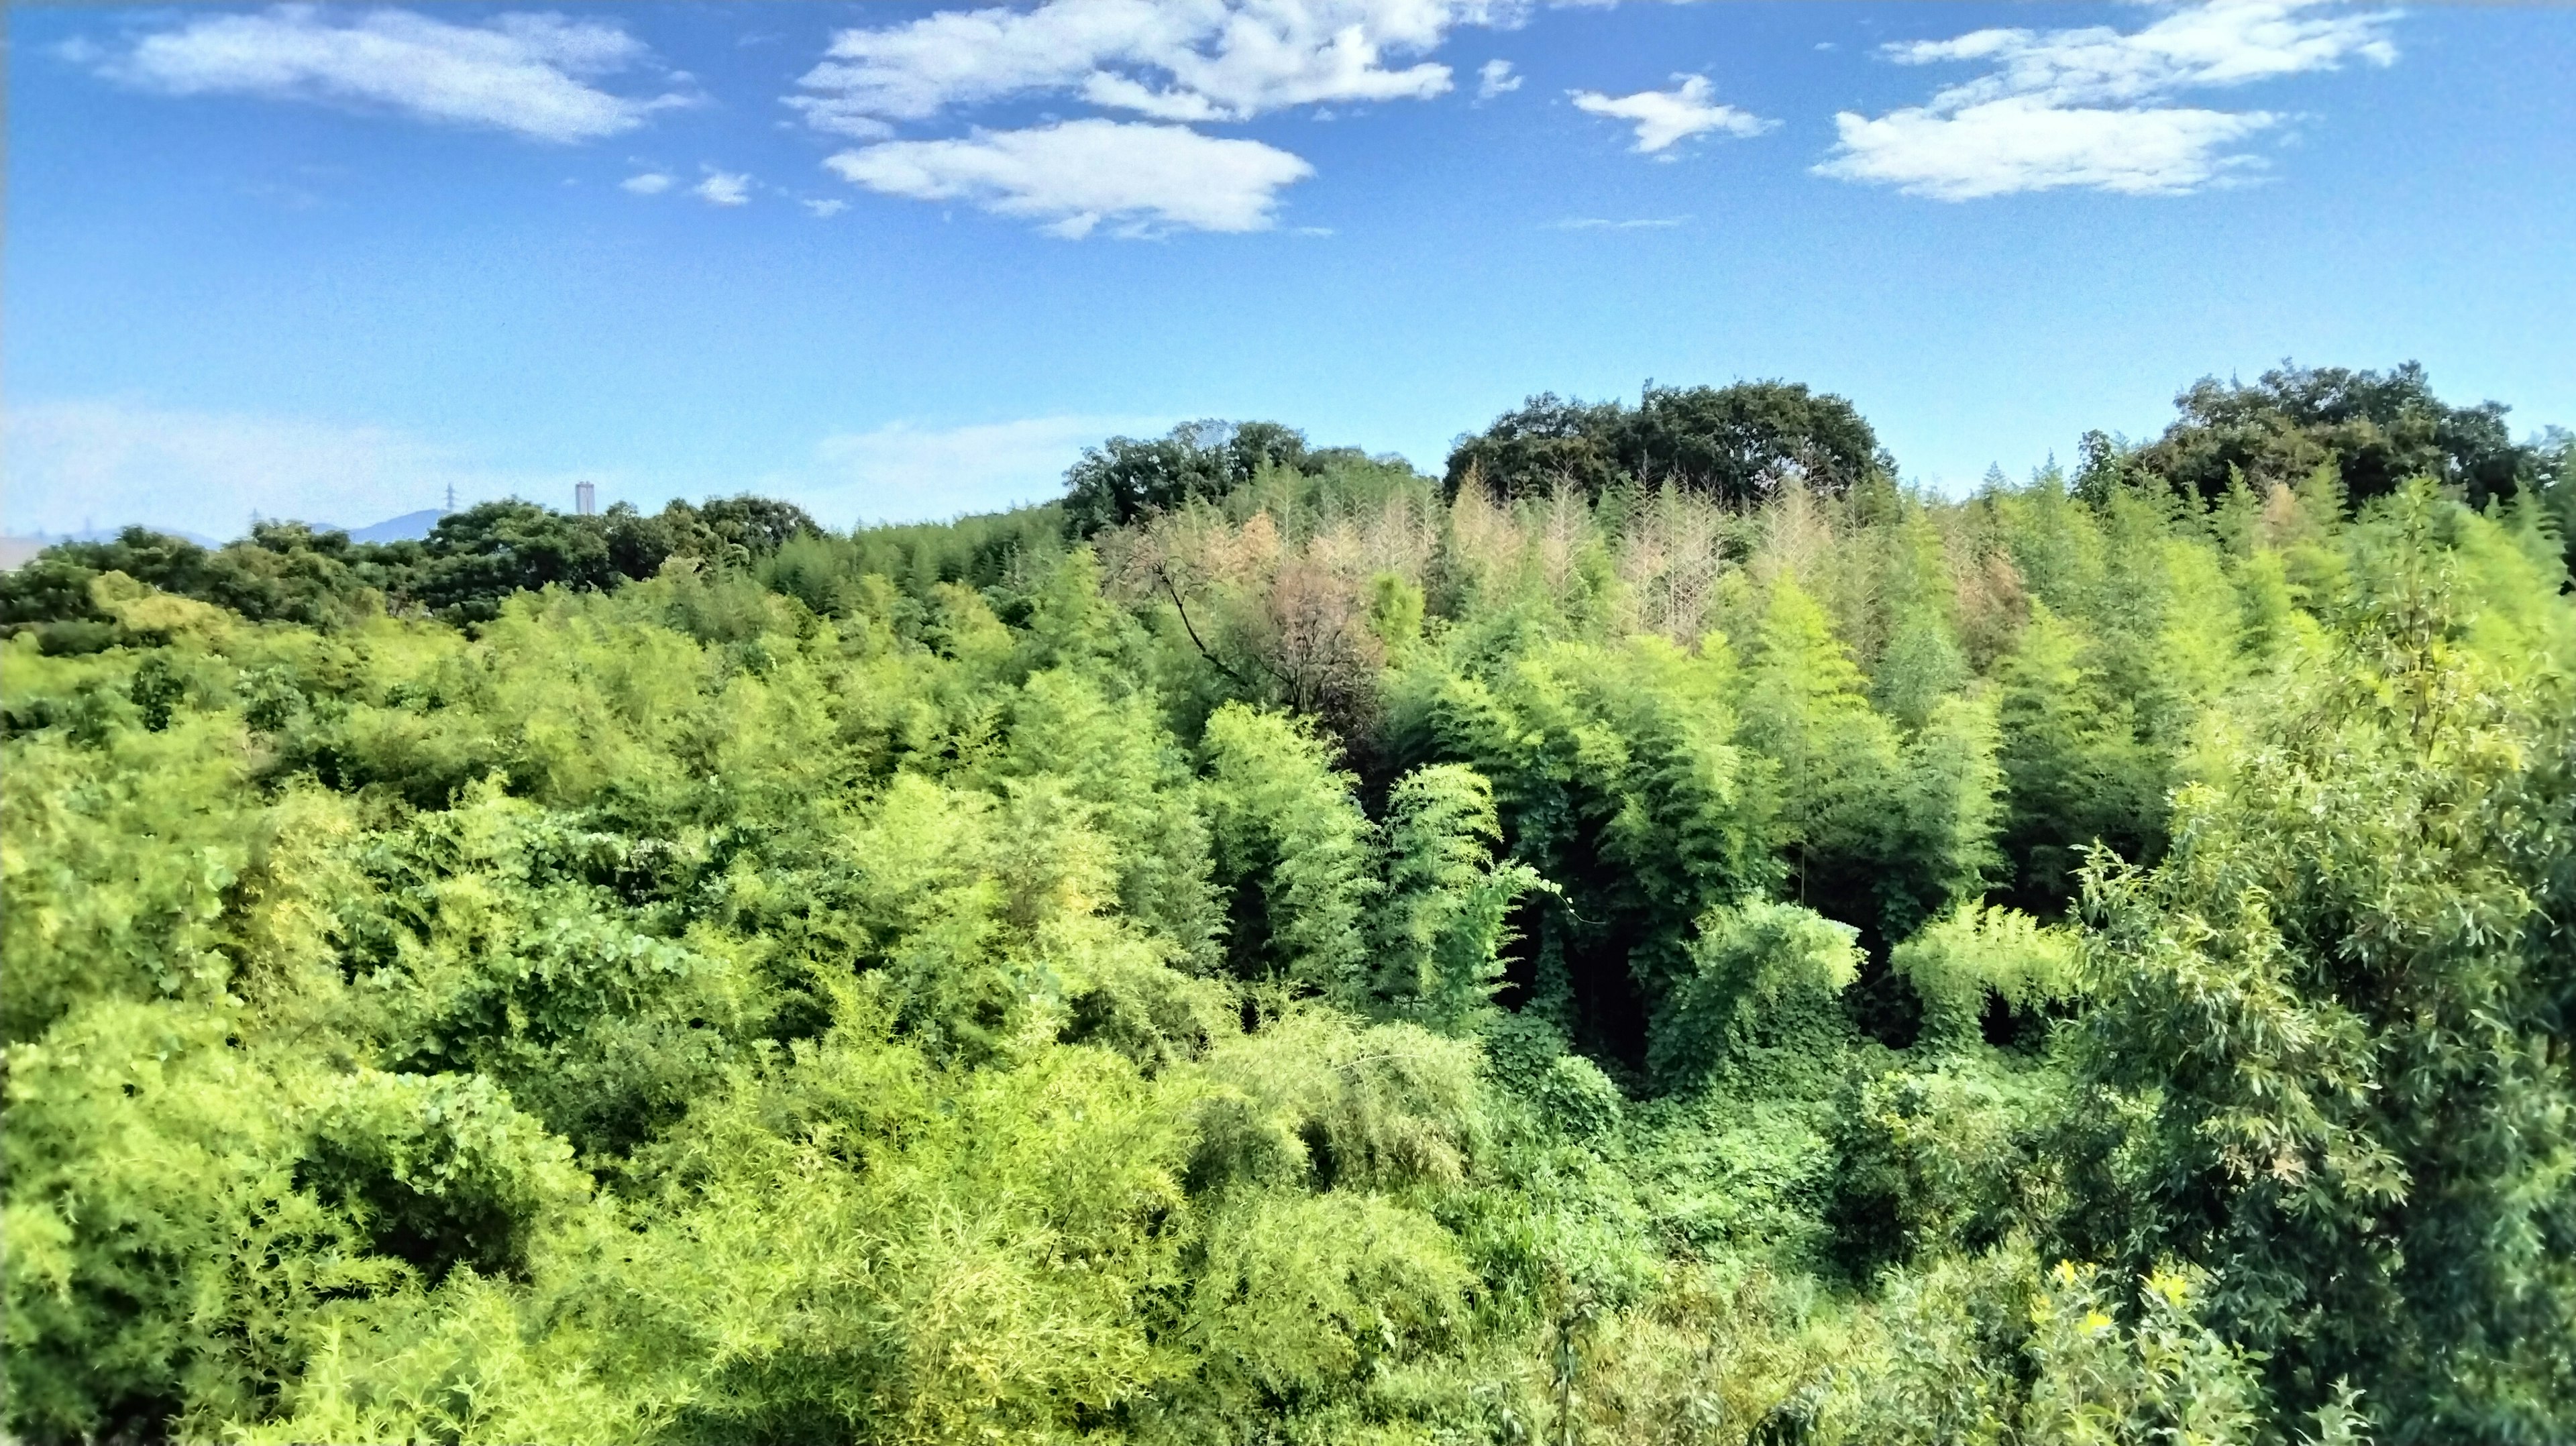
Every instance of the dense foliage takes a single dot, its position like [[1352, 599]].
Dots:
[[2381, 429], [1124, 479], [1322, 956], [1735, 443], [470, 562]]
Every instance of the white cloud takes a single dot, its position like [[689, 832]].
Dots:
[[1076, 174], [1495, 78], [75, 463], [723, 188], [824, 210], [2024, 144], [1185, 60], [2088, 107], [905, 473], [1665, 116], [2215, 43], [524, 73], [650, 183]]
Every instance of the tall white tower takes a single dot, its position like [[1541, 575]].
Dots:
[[585, 499]]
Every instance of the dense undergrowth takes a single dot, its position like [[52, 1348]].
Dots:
[[1327, 958]]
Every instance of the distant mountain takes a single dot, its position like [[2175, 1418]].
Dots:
[[410, 527]]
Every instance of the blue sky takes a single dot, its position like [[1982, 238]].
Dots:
[[899, 262]]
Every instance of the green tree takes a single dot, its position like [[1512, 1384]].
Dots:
[[1443, 922], [2379, 428], [1837, 762], [2323, 1006], [1734, 443], [1294, 853], [2075, 771], [1737, 442], [1547, 442], [1124, 479]]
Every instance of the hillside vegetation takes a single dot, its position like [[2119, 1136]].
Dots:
[[1660, 935]]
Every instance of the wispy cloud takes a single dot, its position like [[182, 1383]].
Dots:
[[649, 183], [72, 463], [723, 188], [1141, 179], [825, 209], [2089, 108], [1213, 60], [529, 74], [1495, 78], [1662, 117], [906, 473]]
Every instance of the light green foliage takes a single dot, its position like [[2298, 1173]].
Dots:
[[117, 861], [1806, 709], [1726, 1353], [500, 958], [1324, 961], [1395, 613], [1941, 1158], [858, 1237], [1738, 1178], [2270, 608], [1760, 1005], [1313, 1099], [1875, 826], [457, 1364], [440, 1170], [1939, 1360], [1293, 847], [2166, 1377], [2077, 772], [1441, 926], [1942, 821], [1616, 777], [2347, 961], [162, 1257], [1972, 953], [1118, 759], [1992, 1349], [1919, 659], [1304, 1293]]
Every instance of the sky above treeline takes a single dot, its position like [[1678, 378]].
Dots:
[[892, 263]]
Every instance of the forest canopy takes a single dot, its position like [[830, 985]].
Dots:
[[2380, 429], [1734, 443], [1662, 935]]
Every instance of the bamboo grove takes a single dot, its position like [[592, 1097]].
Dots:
[[1329, 955]]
